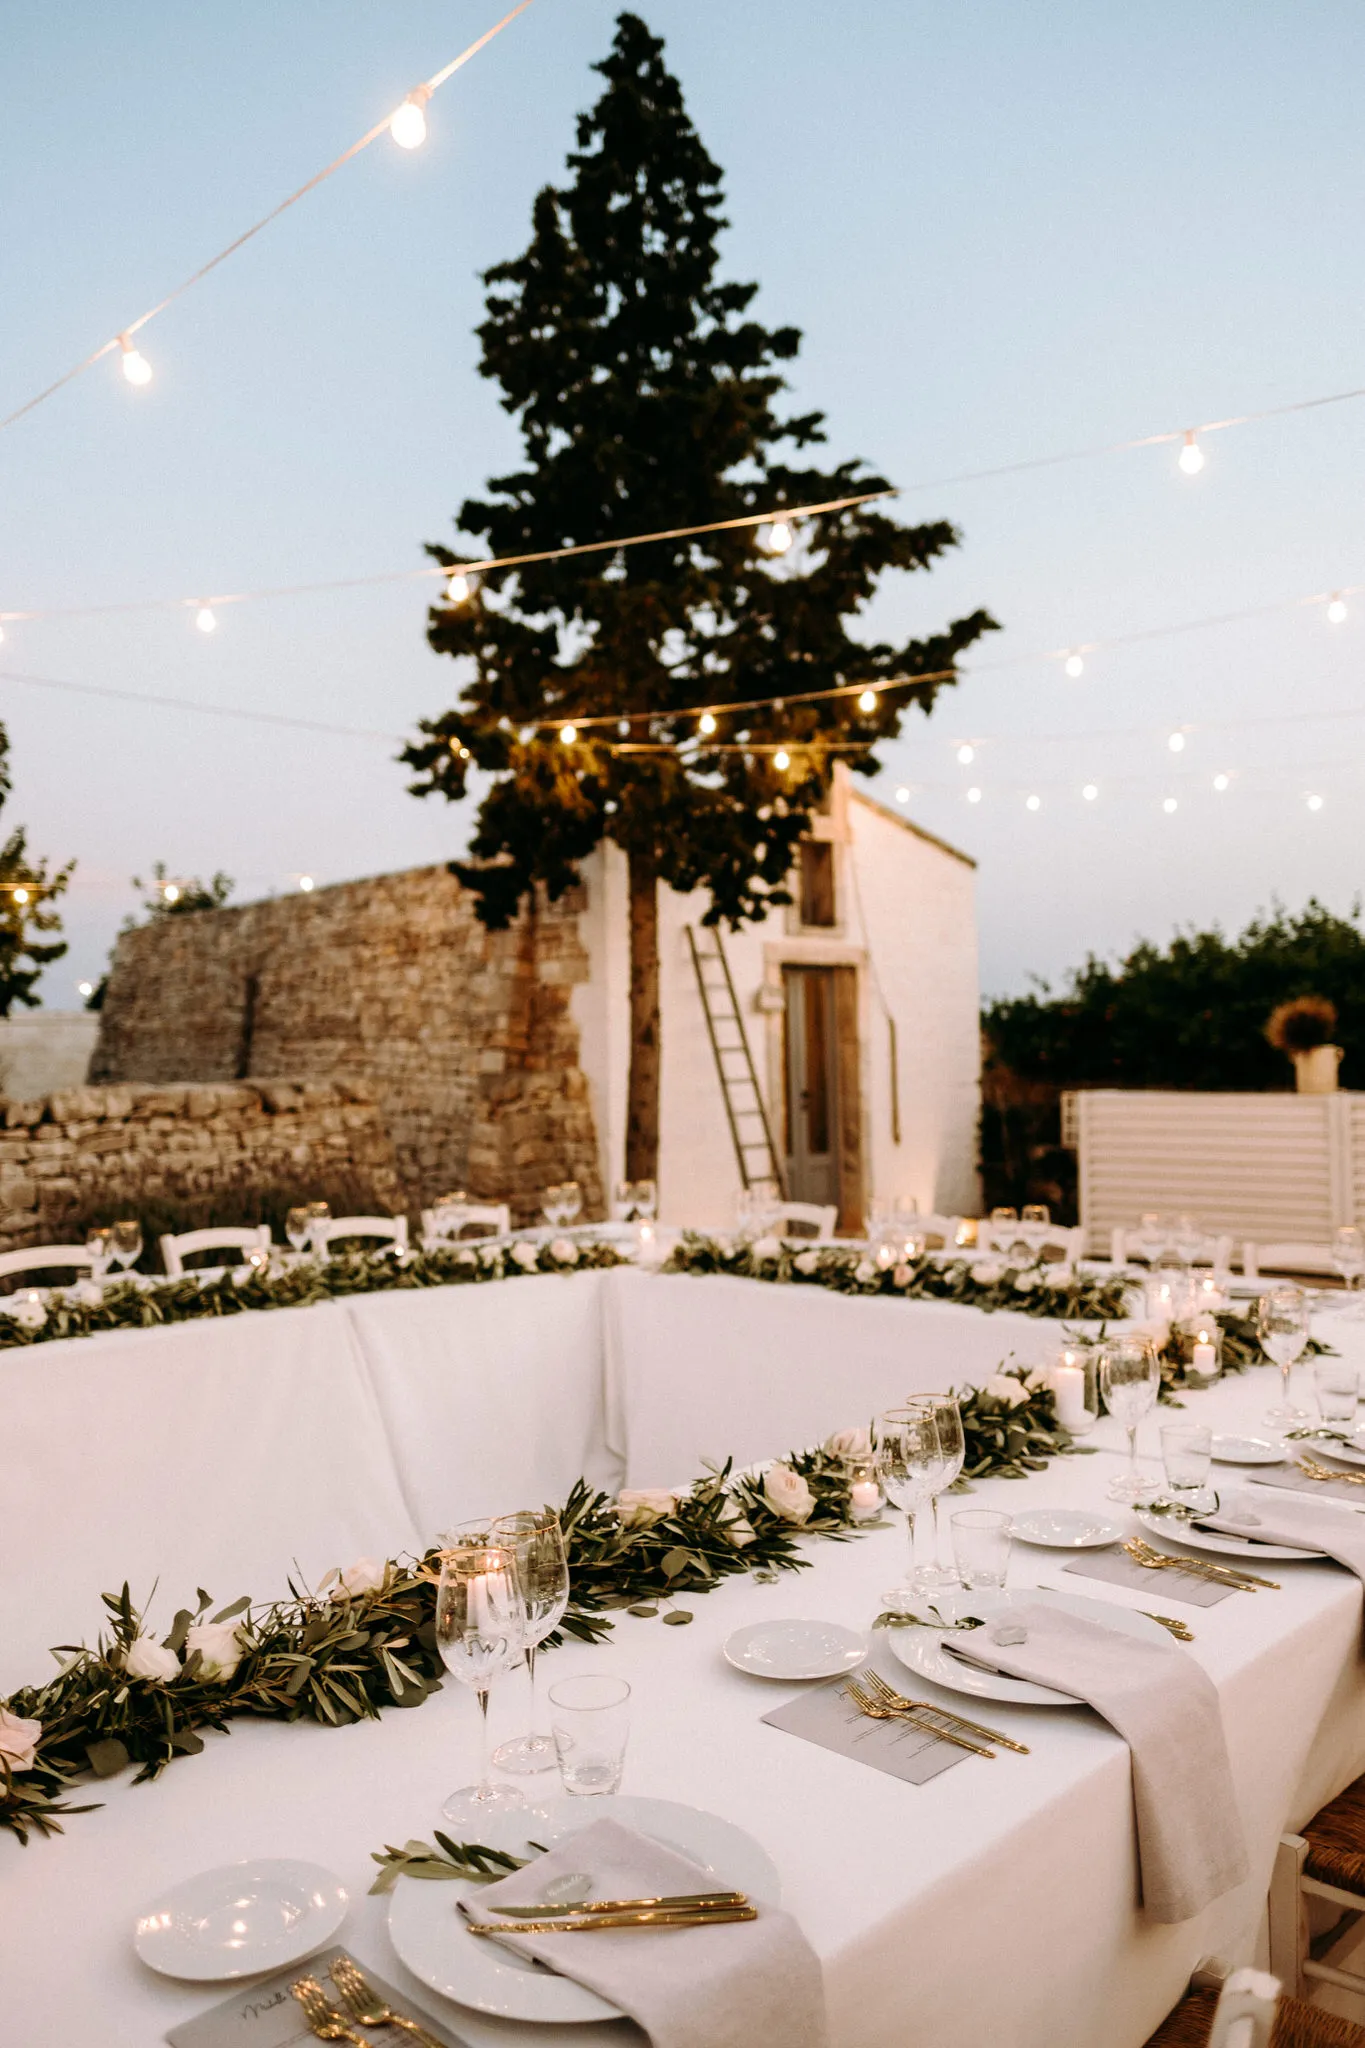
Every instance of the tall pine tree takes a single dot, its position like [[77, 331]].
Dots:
[[647, 399]]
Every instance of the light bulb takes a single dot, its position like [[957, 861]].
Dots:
[[85, 988], [706, 724], [457, 589], [1220, 782], [408, 123], [1033, 803], [170, 893], [1336, 611], [973, 795], [1168, 805], [306, 884], [1090, 792], [205, 620], [21, 895], [1074, 666], [568, 733], [902, 795], [136, 367], [782, 759], [868, 701], [779, 537], [1176, 742], [1315, 803], [966, 752], [1191, 455]]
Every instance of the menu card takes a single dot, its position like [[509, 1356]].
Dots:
[[1186, 1589], [264, 2015], [1295, 1480], [826, 1715]]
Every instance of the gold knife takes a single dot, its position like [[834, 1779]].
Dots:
[[678, 1900], [599, 1922]]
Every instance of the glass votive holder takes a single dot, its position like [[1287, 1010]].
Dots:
[[1168, 1295], [1337, 1387], [864, 1488], [1201, 1349], [1187, 1454], [1075, 1389], [981, 1546], [590, 1722]]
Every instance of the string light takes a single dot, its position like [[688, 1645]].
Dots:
[[306, 884], [902, 795], [1090, 792], [973, 795], [1191, 455], [20, 895], [868, 701], [966, 753], [1220, 782], [1176, 742], [170, 893], [780, 537], [568, 734], [706, 724], [782, 760], [136, 367], [85, 988], [1315, 803], [1074, 666], [1336, 611], [1169, 805], [458, 587], [205, 620], [1033, 803], [408, 123]]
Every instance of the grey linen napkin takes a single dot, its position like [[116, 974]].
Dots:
[[1190, 1844], [1271, 1516], [745, 1984]]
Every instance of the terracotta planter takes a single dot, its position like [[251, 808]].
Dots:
[[1315, 1071]]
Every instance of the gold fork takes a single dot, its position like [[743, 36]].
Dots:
[[1311, 1469], [875, 1711], [364, 2004], [1220, 1574], [889, 1697], [323, 2019]]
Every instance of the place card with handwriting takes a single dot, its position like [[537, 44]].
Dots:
[[264, 2014]]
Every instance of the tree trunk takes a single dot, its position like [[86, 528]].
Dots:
[[642, 1104]]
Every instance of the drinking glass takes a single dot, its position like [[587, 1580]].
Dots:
[[552, 1205], [1151, 1235], [1282, 1323], [1337, 1387], [908, 1465], [981, 1546], [1348, 1256], [99, 1242], [296, 1226], [590, 1717], [318, 1212], [126, 1243], [536, 1540], [1004, 1215], [952, 1446], [1130, 1380], [1187, 1453], [480, 1632], [570, 1201], [1035, 1212], [1187, 1239]]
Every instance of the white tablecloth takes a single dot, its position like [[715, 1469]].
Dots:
[[997, 1903]]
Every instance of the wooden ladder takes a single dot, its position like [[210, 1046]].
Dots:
[[745, 1113]]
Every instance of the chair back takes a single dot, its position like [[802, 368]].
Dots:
[[1048, 1241], [36, 1258], [934, 1226], [820, 1216], [1245, 2015], [327, 1229], [229, 1238], [446, 1225], [1290, 1258], [1213, 1251]]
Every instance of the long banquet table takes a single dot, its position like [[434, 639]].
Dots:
[[996, 1903]]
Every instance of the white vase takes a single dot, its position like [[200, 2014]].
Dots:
[[1315, 1071]]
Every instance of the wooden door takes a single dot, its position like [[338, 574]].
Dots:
[[823, 1112]]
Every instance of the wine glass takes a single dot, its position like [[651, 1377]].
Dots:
[[1150, 1236], [126, 1242], [1348, 1256], [536, 1540], [1282, 1324], [296, 1227], [480, 1632], [908, 1464], [570, 1202], [952, 1446], [1187, 1239], [99, 1244], [552, 1205], [1130, 1380], [318, 1212]]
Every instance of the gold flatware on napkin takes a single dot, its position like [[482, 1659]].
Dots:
[[323, 2019], [1311, 1469], [1202, 1568], [364, 2005], [596, 1923], [1181, 1630], [547, 1908], [891, 1698], [876, 1711]]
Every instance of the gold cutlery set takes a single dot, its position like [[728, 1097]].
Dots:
[[1198, 1567], [685, 1909], [1311, 1469], [872, 1696], [363, 2005]]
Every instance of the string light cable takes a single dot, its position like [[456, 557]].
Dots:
[[406, 124]]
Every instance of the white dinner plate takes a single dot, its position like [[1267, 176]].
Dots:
[[1325, 1447], [925, 1650], [795, 1649], [429, 1933], [1247, 1450], [1181, 1533], [241, 1919], [1065, 1529]]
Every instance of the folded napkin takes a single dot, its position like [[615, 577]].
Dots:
[[1272, 1516], [744, 1984], [1190, 1844]]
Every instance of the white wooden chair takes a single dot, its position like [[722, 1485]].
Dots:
[[390, 1230], [229, 1238], [1289, 1257], [1245, 2008], [1321, 1871], [38, 1258], [448, 1225], [944, 1228], [1049, 1241], [820, 1217], [1213, 1251]]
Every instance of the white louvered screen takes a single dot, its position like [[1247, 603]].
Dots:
[[1267, 1167]]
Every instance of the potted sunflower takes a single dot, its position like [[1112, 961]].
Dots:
[[1302, 1028]]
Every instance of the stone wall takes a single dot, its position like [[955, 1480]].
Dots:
[[465, 1036], [182, 1156]]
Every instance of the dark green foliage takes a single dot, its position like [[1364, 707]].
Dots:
[[1191, 1015], [188, 894], [24, 952]]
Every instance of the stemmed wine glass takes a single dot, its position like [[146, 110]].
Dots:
[[908, 1465], [1130, 1380], [126, 1243], [99, 1242], [1348, 1256], [952, 1448], [536, 1540], [1283, 1326], [552, 1205], [318, 1212], [570, 1202], [480, 1632], [296, 1227]]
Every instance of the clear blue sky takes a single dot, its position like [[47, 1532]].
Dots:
[[1005, 230]]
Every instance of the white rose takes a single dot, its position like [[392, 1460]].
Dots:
[[787, 1494], [1024, 1283], [220, 1652], [639, 1507], [565, 1250], [1001, 1387], [735, 1524], [147, 1658], [491, 1254], [901, 1276], [18, 1740], [1036, 1379], [366, 1575], [28, 1309], [806, 1262], [988, 1272], [527, 1256], [864, 1271], [467, 1257], [850, 1443], [766, 1248]]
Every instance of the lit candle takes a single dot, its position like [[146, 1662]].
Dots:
[[1068, 1393], [865, 1497], [1204, 1360]]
